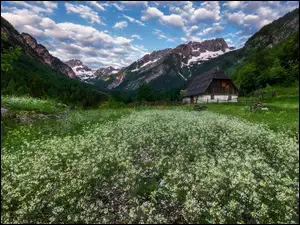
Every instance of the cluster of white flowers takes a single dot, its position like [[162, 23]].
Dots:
[[154, 166]]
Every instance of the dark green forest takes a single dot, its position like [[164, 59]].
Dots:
[[31, 77], [276, 65]]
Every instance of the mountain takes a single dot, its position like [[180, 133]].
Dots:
[[171, 68], [106, 71], [88, 75], [174, 66], [38, 74], [31, 48], [271, 34]]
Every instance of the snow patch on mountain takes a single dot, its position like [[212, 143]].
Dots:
[[145, 64], [207, 55]]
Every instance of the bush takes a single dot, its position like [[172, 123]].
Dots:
[[112, 103]]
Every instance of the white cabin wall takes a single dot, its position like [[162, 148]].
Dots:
[[217, 98], [207, 98]]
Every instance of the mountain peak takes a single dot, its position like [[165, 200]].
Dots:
[[74, 62]]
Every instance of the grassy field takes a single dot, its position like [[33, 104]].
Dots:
[[153, 165]]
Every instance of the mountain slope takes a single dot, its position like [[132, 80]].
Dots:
[[31, 48], [172, 66], [32, 75], [273, 33], [84, 73]]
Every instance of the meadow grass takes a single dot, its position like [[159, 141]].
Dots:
[[26, 103], [151, 166], [164, 164]]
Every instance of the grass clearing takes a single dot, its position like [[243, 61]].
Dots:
[[26, 103]]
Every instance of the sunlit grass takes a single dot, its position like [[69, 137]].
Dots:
[[30, 104]]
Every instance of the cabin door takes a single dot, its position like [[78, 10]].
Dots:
[[192, 100]]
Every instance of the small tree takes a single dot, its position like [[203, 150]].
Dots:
[[144, 92], [8, 56]]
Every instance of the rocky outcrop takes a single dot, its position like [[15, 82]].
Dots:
[[31, 48], [106, 71], [86, 74], [50, 60]]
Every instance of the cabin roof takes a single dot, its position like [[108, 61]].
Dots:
[[202, 81]]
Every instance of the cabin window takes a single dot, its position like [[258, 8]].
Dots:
[[225, 84]]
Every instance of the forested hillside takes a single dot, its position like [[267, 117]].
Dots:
[[30, 77], [276, 65], [25, 73]]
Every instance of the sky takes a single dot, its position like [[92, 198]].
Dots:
[[116, 33]]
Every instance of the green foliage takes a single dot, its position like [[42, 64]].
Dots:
[[30, 104], [8, 56], [277, 65], [112, 103], [144, 92]]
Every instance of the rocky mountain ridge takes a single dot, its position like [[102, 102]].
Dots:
[[176, 62], [84, 73], [31, 48]]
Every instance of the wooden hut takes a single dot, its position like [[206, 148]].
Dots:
[[211, 86]]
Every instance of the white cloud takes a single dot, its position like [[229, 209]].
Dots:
[[234, 4], [151, 13], [161, 35], [50, 4], [208, 11], [229, 42], [32, 30], [21, 17], [121, 24], [34, 8], [237, 17], [172, 20], [138, 37], [47, 23], [84, 12], [134, 20], [212, 30], [135, 3], [118, 7], [58, 33], [96, 5], [171, 39], [253, 19]]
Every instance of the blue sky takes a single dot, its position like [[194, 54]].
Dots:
[[116, 33]]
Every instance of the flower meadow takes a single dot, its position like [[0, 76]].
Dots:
[[154, 166]]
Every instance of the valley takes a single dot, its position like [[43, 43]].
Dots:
[[99, 135]]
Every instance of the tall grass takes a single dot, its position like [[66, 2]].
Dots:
[[30, 104]]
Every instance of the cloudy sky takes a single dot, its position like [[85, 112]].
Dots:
[[116, 33]]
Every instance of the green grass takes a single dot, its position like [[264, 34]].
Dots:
[[26, 103], [283, 113], [73, 124]]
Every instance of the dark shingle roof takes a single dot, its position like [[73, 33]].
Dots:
[[201, 82]]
